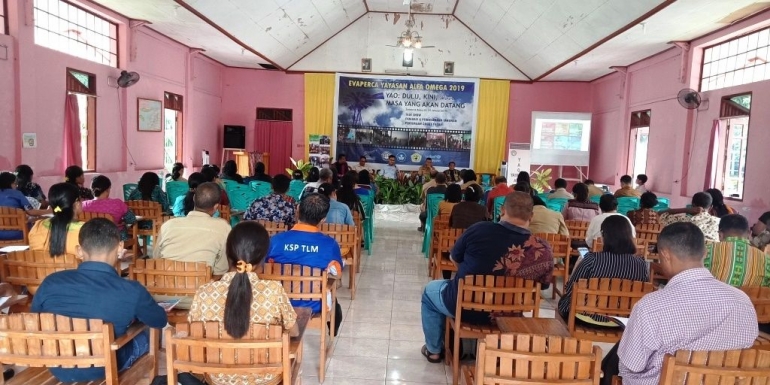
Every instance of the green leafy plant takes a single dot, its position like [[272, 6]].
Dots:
[[540, 180], [398, 192], [300, 165]]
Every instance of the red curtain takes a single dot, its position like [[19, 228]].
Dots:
[[713, 156], [274, 137], [72, 152]]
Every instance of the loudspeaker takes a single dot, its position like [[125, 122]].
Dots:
[[235, 137]]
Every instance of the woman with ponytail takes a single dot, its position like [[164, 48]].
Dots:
[[240, 299], [184, 203], [74, 175], [59, 235], [176, 173], [121, 214], [718, 206]]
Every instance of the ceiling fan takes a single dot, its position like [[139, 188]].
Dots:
[[409, 39]]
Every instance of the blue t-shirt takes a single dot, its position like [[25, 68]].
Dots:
[[339, 213], [14, 199], [305, 245]]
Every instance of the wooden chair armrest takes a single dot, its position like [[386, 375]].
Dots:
[[617, 380], [132, 332]]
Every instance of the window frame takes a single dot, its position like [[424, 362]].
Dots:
[[632, 126], [4, 15], [725, 145], [90, 91], [96, 15], [175, 102], [737, 38]]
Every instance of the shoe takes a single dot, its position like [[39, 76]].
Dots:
[[421, 229], [8, 374]]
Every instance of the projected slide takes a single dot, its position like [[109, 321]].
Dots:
[[561, 138]]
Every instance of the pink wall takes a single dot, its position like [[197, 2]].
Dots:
[[39, 76]]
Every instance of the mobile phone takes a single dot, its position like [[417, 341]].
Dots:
[[583, 251]]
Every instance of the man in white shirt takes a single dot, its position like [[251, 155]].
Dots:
[[609, 206], [390, 170], [561, 190], [360, 166], [641, 179], [325, 176]]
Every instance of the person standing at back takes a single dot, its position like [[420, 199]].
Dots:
[[626, 188]]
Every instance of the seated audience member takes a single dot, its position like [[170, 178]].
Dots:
[[609, 206], [347, 194], [148, 189], [469, 178], [29, 188], [184, 203], [760, 232], [452, 174], [452, 196], [241, 299], [323, 176], [59, 235], [121, 214], [506, 248], [732, 260], [561, 190], [439, 187], [74, 175], [698, 213], [390, 170], [13, 198], [364, 184], [341, 165], [360, 166], [212, 176], [95, 291], [305, 245], [501, 189], [718, 206], [526, 188], [260, 174], [427, 172], [339, 213], [198, 237], [523, 176], [593, 191], [581, 208], [469, 212], [545, 220], [276, 207], [627, 188], [645, 215], [230, 172], [693, 311], [177, 172], [617, 259], [641, 179]]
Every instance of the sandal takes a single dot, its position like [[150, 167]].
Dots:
[[427, 355]]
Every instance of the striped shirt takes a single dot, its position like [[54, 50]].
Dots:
[[693, 312], [735, 262], [604, 265]]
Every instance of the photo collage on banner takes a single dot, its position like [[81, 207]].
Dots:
[[320, 150], [411, 118]]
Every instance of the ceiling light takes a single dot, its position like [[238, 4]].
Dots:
[[418, 43], [408, 54]]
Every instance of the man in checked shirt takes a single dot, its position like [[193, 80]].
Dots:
[[694, 311]]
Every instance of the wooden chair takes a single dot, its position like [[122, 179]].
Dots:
[[173, 278], [606, 297], [86, 216], [446, 240], [487, 293], [12, 219], [29, 268], [206, 348], [577, 230], [747, 366], [42, 341], [440, 222], [149, 211], [534, 359], [562, 247], [760, 297], [273, 228], [649, 235], [304, 283], [641, 246], [350, 248]]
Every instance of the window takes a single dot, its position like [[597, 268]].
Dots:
[[739, 61], [172, 137], [734, 112], [640, 135], [3, 18], [83, 85], [67, 28]]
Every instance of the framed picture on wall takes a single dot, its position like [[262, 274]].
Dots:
[[366, 65], [449, 68], [149, 115]]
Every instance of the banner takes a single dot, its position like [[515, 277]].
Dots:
[[518, 160], [319, 150], [411, 118]]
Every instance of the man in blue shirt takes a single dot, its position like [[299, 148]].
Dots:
[[339, 213], [95, 291], [390, 170], [305, 245]]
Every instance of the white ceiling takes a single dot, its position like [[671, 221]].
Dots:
[[537, 37]]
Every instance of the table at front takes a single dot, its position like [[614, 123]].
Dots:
[[548, 326]]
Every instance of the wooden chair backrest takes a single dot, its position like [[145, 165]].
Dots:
[[29, 268], [148, 210], [648, 232], [86, 216], [166, 277], [440, 222], [48, 340], [497, 294], [760, 297], [206, 348], [447, 239], [537, 359], [273, 228], [344, 235], [560, 244], [14, 219], [641, 246], [577, 229], [299, 282], [747, 367], [606, 296]]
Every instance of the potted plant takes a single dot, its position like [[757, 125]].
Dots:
[[300, 165], [540, 180]]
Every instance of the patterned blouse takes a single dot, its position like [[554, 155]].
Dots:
[[32, 190], [643, 217], [85, 193], [274, 208], [269, 305], [761, 240], [707, 223]]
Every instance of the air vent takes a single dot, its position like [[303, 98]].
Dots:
[[268, 66], [281, 114]]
